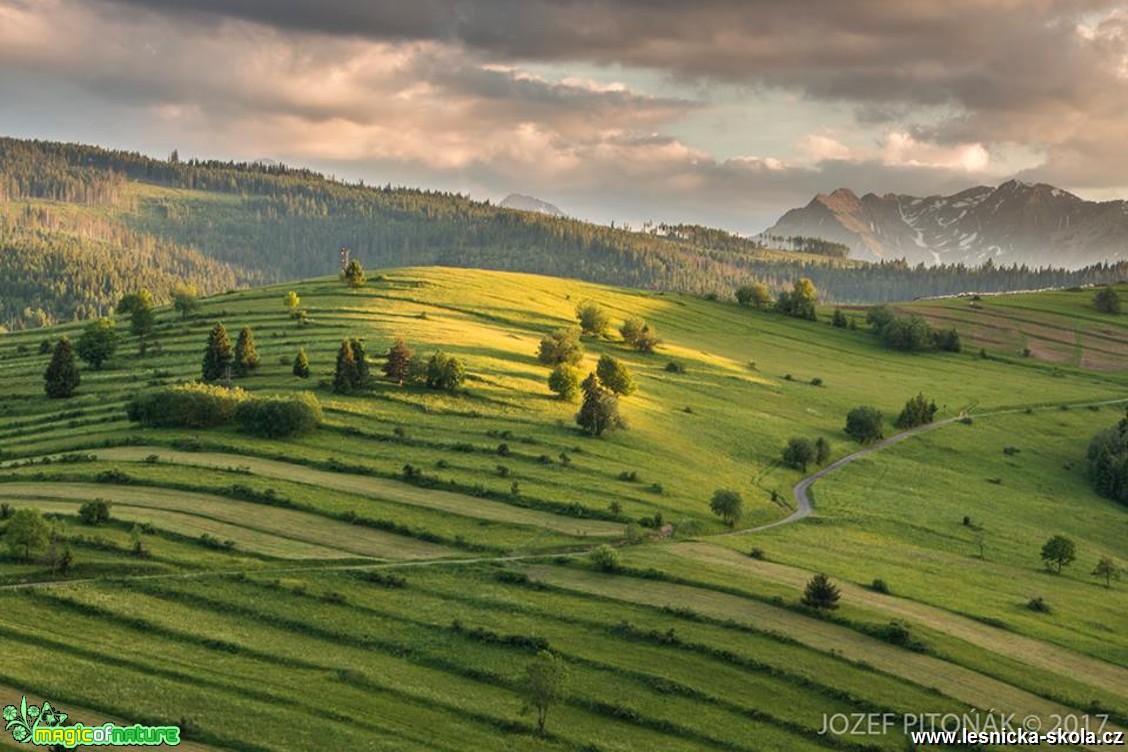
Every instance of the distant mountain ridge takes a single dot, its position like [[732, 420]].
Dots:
[[521, 202], [1017, 222]]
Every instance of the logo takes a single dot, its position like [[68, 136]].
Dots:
[[43, 726]]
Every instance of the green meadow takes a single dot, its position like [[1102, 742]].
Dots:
[[305, 594]]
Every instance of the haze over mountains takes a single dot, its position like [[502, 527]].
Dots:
[[1017, 222]]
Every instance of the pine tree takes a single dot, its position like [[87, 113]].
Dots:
[[399, 362], [218, 356], [360, 357], [354, 274], [301, 364], [821, 593], [61, 377], [246, 359], [345, 377], [600, 409]]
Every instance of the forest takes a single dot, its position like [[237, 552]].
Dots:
[[80, 224]]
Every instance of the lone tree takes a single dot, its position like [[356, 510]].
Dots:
[[1107, 300], [605, 558], [600, 409], [293, 303], [754, 295], [95, 512], [565, 381], [918, 411], [301, 364], [799, 453], [562, 346], [543, 685], [445, 372], [398, 366], [26, 534], [346, 377], [1058, 552], [139, 307], [639, 335], [613, 374], [218, 355], [864, 424], [185, 300], [353, 274], [1108, 570], [728, 505], [98, 343], [821, 593], [61, 378], [593, 319], [246, 359]]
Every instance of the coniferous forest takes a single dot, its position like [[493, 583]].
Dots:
[[80, 225]]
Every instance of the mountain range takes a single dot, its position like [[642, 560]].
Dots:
[[1016, 222]]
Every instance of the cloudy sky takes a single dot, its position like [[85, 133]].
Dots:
[[725, 112]]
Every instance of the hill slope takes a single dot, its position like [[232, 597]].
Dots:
[[411, 602], [80, 225], [1014, 223]]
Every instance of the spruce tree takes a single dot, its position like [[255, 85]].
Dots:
[[301, 364], [61, 377], [821, 593], [353, 275], [246, 359], [360, 357], [345, 377], [399, 362], [600, 409], [218, 356]]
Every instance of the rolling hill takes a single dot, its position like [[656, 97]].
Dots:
[[80, 225], [294, 589]]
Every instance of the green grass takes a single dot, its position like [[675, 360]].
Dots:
[[285, 625]]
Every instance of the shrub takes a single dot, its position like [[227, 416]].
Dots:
[[1039, 605], [186, 406], [615, 375], [756, 553], [606, 559], [565, 381], [1107, 300], [638, 334], [675, 367], [864, 424], [445, 372], [918, 411], [95, 512], [799, 453], [279, 416], [561, 346], [593, 319], [879, 586]]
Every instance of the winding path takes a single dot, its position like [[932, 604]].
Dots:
[[803, 506]]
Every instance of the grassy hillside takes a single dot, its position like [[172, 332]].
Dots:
[[332, 596], [79, 226]]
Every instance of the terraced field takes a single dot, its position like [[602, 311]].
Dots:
[[305, 594]]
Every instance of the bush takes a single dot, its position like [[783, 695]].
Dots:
[[280, 416], [186, 406], [1107, 300], [606, 559], [95, 512], [565, 381], [1039, 605], [675, 367], [561, 346], [879, 586], [799, 453], [864, 424], [757, 554], [615, 375], [918, 411]]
